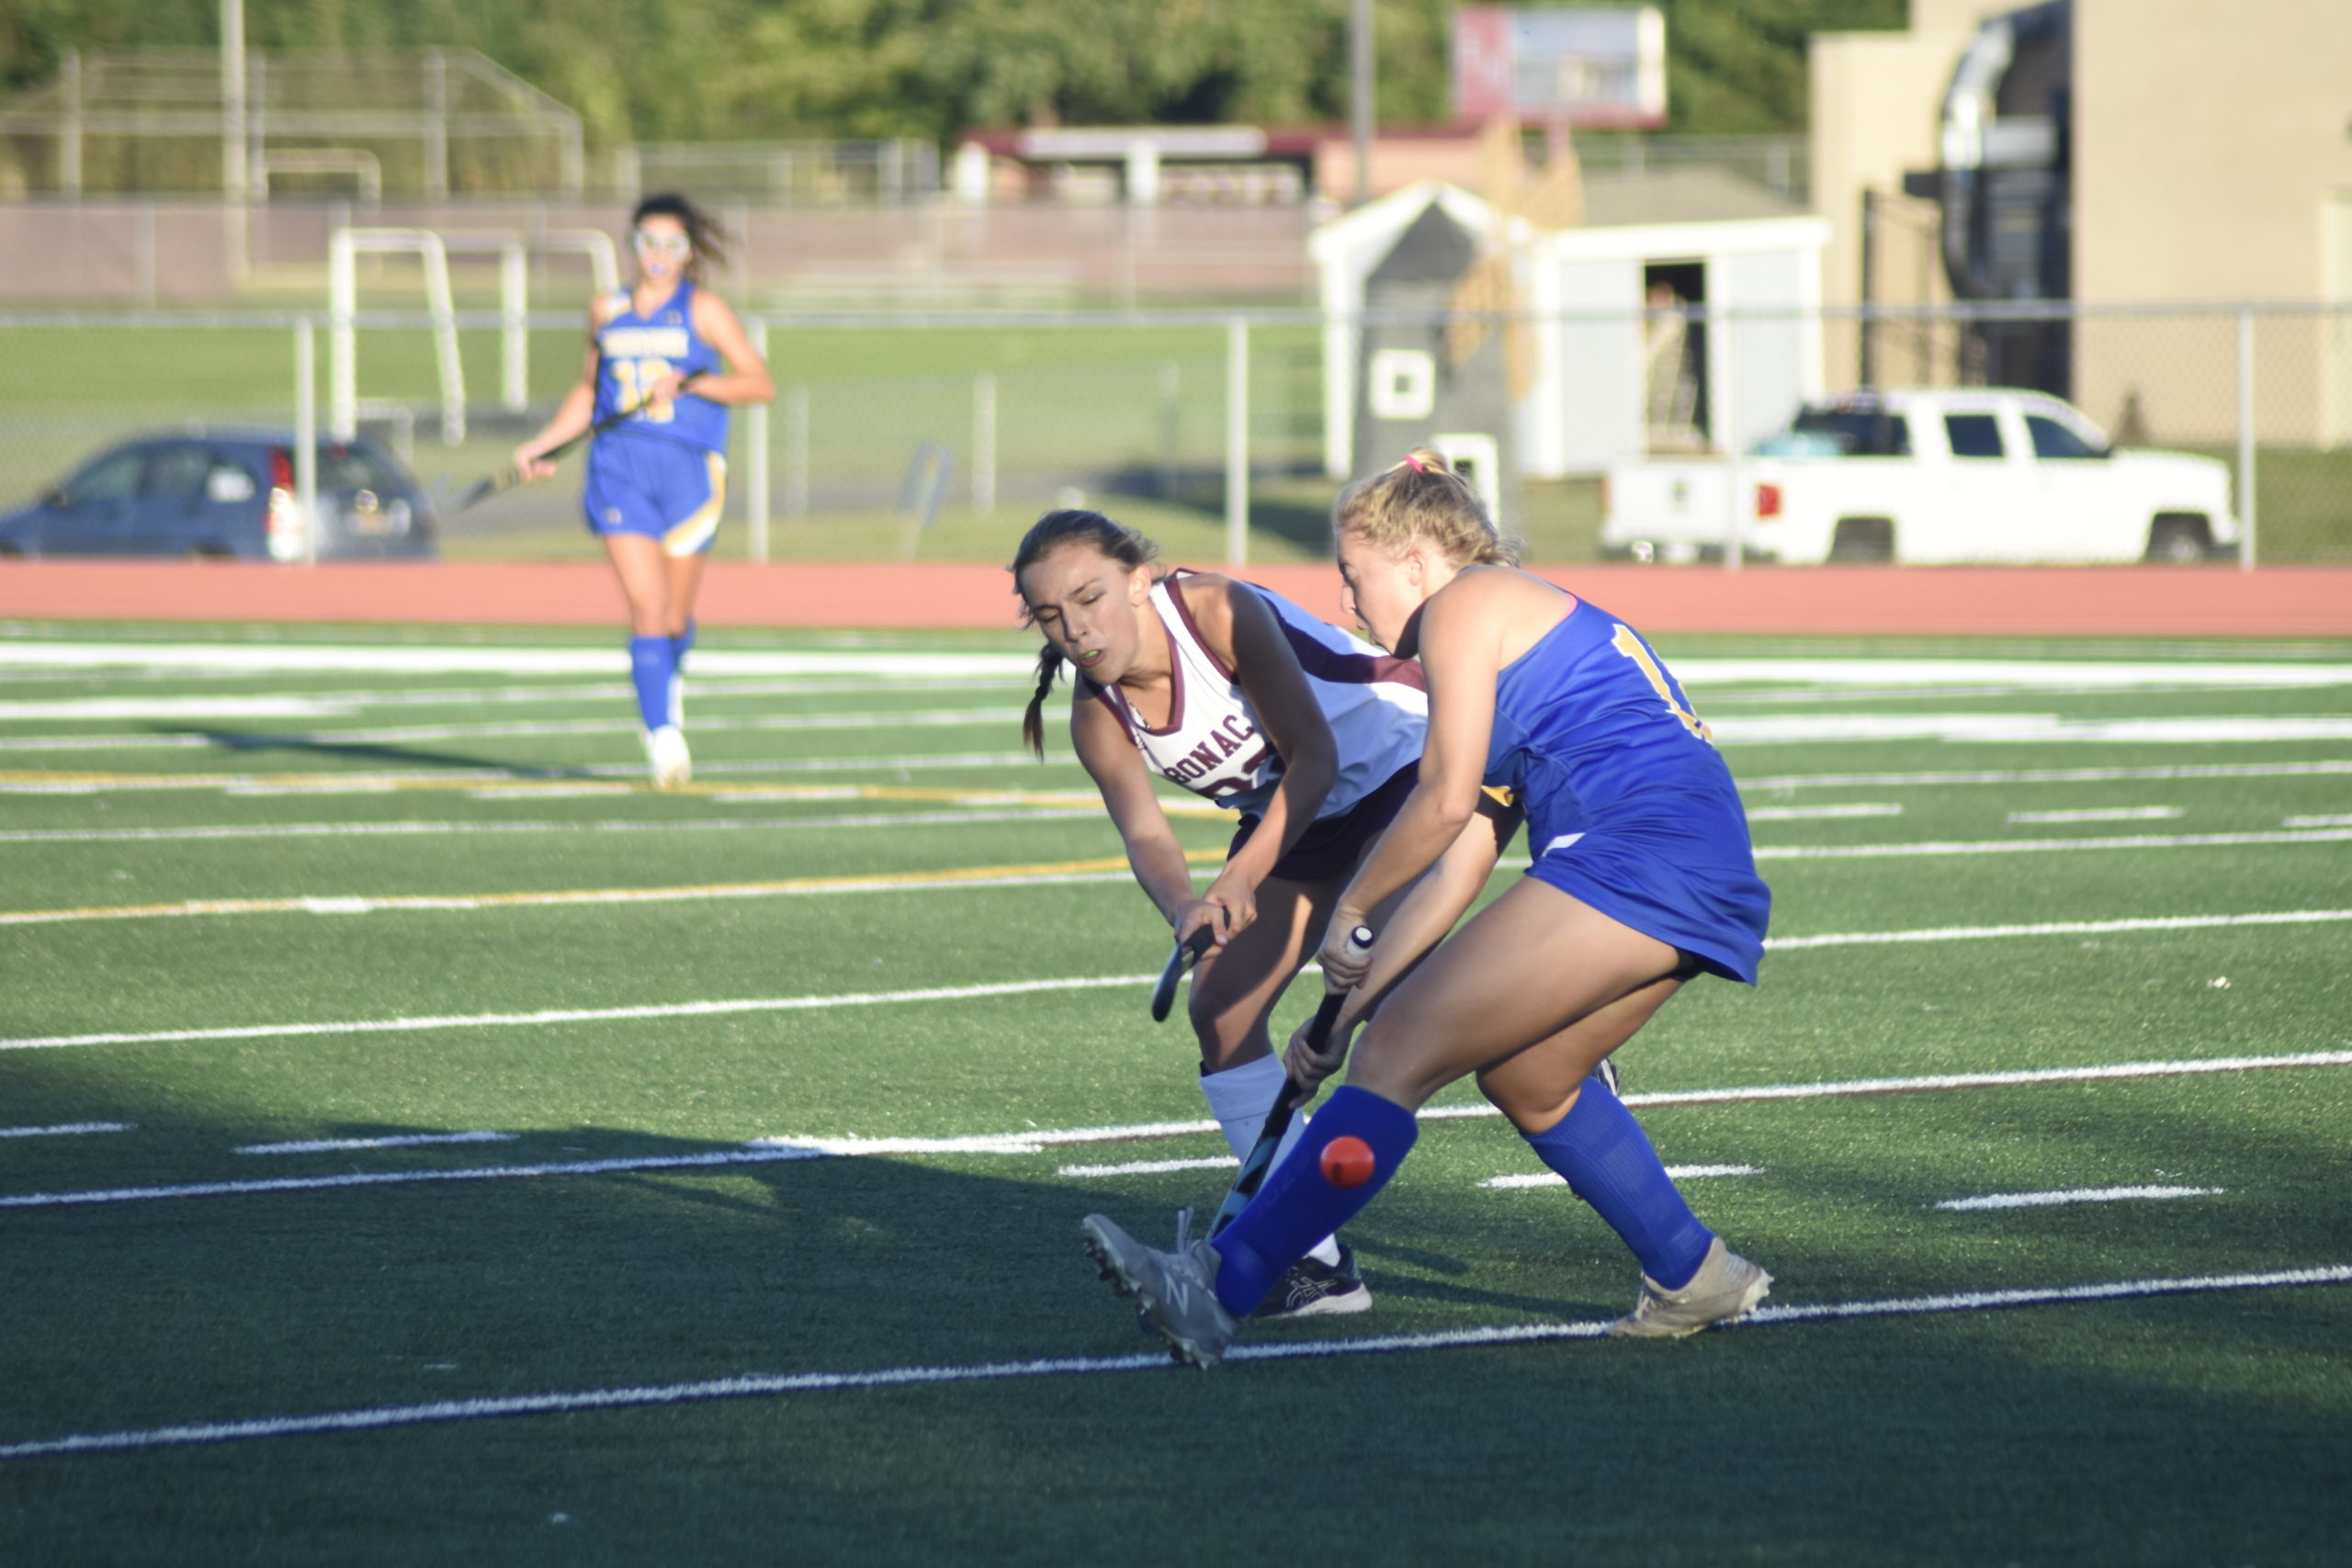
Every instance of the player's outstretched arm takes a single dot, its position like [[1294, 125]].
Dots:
[[572, 416], [1154, 855]]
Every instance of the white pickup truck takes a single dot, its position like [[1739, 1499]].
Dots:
[[1927, 475]]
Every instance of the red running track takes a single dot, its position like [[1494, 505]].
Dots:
[[2214, 602]]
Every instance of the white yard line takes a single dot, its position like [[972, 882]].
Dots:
[[1148, 1167], [397, 1140], [1818, 813], [482, 659], [2078, 1195], [1679, 1172], [513, 728], [2037, 728], [759, 1385], [34, 653], [690, 825], [2058, 928], [1036, 1140], [2039, 846], [67, 1130], [1772, 784], [1016, 987], [325, 783], [2102, 814], [2344, 821]]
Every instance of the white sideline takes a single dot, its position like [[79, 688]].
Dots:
[[753, 1385], [1036, 1140], [1018, 987]]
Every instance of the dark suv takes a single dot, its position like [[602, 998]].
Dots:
[[227, 495]]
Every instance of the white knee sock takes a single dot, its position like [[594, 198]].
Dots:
[[1239, 1098]]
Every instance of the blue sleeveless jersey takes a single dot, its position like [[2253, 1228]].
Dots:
[[634, 350], [1629, 808]]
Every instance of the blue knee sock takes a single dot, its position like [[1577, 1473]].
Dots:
[[1298, 1206], [680, 646], [651, 665], [1608, 1160]]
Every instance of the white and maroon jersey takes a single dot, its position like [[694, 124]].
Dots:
[[1377, 706]]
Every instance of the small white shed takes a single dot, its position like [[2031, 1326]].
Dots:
[[1748, 263]]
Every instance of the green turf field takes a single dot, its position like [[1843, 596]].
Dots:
[[420, 1145]]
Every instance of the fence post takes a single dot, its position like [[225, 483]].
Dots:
[[305, 436], [757, 433], [796, 453], [984, 442], [1171, 425], [2246, 440], [1726, 420], [1237, 441]]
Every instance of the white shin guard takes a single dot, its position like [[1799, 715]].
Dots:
[[1238, 1099]]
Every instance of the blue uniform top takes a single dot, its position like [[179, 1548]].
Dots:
[[1629, 808], [633, 351]]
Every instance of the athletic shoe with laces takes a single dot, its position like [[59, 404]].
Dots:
[[1725, 1287], [665, 750], [1315, 1289], [1176, 1289]]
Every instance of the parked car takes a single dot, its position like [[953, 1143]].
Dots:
[[1927, 474], [227, 495]]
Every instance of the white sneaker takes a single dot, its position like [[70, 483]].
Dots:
[[1176, 1290], [665, 749], [1726, 1286]]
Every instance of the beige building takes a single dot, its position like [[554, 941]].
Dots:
[[2211, 164]]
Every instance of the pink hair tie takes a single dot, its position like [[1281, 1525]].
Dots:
[[1414, 463]]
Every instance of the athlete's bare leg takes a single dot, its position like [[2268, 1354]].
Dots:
[[1515, 981], [1234, 990], [645, 578], [683, 575]]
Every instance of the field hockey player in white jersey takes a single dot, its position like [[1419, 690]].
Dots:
[[1312, 735], [1641, 879]]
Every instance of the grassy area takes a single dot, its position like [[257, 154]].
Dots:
[[299, 1328], [1133, 419]]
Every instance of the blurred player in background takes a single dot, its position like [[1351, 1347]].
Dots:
[[1312, 735], [657, 481], [1642, 879]]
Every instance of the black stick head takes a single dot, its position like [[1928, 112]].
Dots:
[[1187, 953]]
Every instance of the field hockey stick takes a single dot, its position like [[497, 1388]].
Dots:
[[1188, 952], [507, 478], [1252, 1174]]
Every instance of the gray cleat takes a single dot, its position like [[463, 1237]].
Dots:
[[1726, 1286], [1177, 1291]]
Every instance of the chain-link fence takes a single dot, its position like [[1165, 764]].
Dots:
[[905, 437]]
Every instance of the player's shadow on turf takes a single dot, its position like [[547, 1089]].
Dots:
[[381, 755]]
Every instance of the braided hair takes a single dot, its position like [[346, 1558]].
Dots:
[[1050, 532]]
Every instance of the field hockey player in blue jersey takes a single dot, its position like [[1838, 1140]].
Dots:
[[1310, 736], [1642, 880], [666, 359]]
